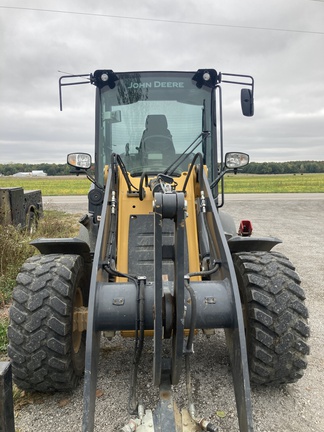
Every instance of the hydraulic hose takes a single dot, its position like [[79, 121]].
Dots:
[[141, 189], [193, 315], [198, 155], [206, 272]]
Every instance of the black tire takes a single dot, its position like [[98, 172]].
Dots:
[[46, 354], [275, 317]]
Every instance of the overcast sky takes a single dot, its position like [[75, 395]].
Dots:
[[279, 42]]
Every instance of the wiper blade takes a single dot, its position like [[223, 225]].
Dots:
[[180, 159]]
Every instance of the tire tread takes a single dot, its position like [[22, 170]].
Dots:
[[40, 329], [276, 317]]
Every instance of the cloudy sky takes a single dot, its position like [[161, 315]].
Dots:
[[280, 43]]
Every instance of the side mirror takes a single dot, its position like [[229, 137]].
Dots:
[[247, 103], [235, 160], [79, 160]]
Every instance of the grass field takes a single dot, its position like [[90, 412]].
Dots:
[[50, 186], [241, 183], [275, 183]]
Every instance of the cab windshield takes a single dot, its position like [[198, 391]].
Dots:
[[150, 119]]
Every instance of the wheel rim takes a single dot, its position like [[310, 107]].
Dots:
[[77, 334]]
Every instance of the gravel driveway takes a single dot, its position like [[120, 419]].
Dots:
[[299, 222]]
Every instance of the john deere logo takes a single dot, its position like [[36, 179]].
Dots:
[[157, 84]]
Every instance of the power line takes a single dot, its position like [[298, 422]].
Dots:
[[164, 20]]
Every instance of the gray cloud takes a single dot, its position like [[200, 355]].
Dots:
[[287, 67]]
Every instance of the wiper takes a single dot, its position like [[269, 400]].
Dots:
[[123, 169], [180, 159]]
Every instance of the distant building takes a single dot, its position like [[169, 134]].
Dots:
[[36, 173], [22, 174]]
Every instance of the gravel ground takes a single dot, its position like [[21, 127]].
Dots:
[[295, 407]]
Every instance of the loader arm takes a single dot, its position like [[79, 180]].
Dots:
[[93, 335], [235, 335], [114, 293]]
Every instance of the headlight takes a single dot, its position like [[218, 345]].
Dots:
[[236, 160], [79, 160]]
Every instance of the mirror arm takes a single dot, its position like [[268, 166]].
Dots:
[[79, 171], [219, 177]]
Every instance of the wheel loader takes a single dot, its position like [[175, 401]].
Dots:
[[157, 257]]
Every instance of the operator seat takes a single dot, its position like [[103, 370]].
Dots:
[[156, 138]]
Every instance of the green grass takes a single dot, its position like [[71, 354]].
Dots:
[[241, 183], [15, 249], [275, 183], [3, 334], [50, 186]]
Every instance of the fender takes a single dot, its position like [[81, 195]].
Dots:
[[244, 244], [74, 245], [248, 244]]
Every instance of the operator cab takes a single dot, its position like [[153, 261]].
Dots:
[[152, 118], [159, 122]]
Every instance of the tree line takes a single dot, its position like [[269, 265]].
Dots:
[[293, 167], [49, 169]]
